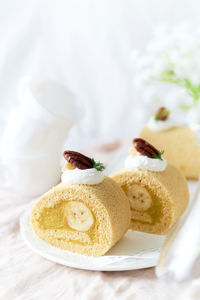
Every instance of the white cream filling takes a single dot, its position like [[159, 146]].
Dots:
[[158, 125], [87, 176], [196, 130], [140, 162]]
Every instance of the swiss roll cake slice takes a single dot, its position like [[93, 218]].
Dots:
[[87, 213], [181, 143], [157, 191]]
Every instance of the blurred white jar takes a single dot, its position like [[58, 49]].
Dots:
[[32, 175], [34, 135]]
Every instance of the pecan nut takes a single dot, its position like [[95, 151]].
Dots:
[[78, 160], [146, 149], [162, 114]]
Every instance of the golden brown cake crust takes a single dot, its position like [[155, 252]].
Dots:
[[181, 148], [108, 204], [169, 186]]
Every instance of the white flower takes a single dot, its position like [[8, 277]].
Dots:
[[169, 69]]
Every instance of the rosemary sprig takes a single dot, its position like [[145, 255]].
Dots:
[[97, 165], [159, 155]]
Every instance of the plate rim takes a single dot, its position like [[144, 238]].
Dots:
[[148, 262]]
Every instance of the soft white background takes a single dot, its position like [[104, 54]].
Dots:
[[86, 45]]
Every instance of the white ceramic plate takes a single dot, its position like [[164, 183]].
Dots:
[[136, 250]]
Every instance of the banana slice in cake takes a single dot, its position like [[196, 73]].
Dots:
[[79, 217], [139, 197]]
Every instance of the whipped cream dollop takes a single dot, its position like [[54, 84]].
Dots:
[[140, 162], [86, 176], [158, 125], [196, 130]]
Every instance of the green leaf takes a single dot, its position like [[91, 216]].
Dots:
[[188, 84], [170, 76], [185, 107], [170, 73], [194, 91]]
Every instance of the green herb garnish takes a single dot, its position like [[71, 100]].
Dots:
[[159, 155], [97, 165]]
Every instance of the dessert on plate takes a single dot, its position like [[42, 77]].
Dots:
[[157, 191], [87, 213], [181, 143]]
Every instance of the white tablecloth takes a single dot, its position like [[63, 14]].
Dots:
[[24, 275]]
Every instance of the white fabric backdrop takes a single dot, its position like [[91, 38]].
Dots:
[[86, 45]]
